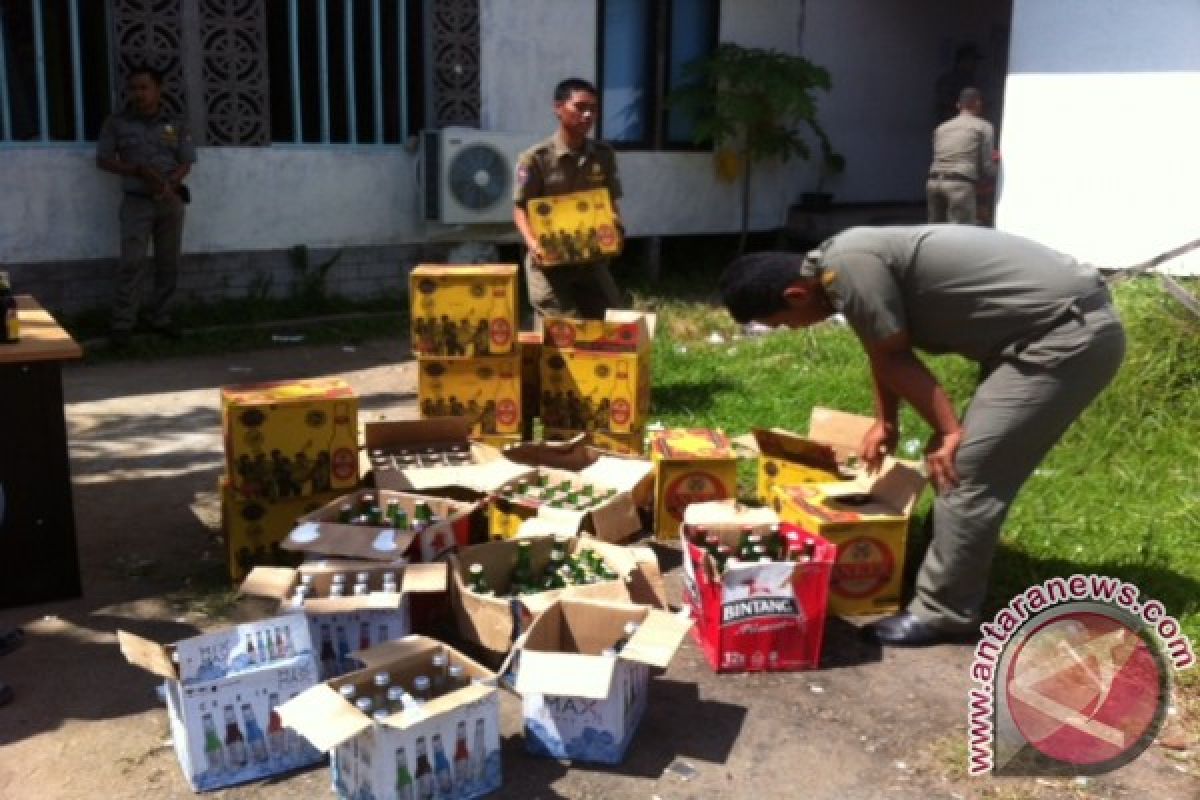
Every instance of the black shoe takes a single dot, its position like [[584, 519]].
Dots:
[[167, 331], [906, 630], [10, 640], [119, 340]]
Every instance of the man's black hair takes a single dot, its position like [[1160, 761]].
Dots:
[[564, 90], [969, 95], [154, 73], [752, 285]]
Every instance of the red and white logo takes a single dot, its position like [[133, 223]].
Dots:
[[693, 487], [501, 332], [864, 566], [344, 464], [621, 411], [506, 412]]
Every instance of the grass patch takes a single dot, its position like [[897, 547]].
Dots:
[[1118, 496]]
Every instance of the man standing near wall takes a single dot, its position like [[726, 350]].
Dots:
[[567, 162], [964, 153], [152, 151]]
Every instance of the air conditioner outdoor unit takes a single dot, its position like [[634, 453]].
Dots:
[[467, 174]]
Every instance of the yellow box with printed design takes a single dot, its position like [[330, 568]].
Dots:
[[626, 444], [290, 438], [575, 228], [463, 311], [587, 390], [254, 527], [867, 518], [485, 390], [692, 465]]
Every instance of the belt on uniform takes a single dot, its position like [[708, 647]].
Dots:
[[1092, 302], [142, 195], [949, 176]]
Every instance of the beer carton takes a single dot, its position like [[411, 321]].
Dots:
[[621, 331], [492, 622], [340, 625], [693, 465], [755, 617], [224, 690], [825, 454], [253, 528], [867, 518], [580, 701], [447, 747], [322, 531], [463, 311], [485, 390], [290, 438], [405, 444], [587, 390], [575, 228]]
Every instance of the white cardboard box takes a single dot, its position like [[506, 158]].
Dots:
[[339, 626], [579, 703], [448, 748], [223, 695]]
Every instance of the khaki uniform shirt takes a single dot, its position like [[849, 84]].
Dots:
[[977, 292], [963, 146], [550, 168], [161, 142]]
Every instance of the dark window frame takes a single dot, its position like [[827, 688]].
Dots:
[[657, 76]]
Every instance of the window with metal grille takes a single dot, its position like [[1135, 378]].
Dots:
[[55, 74], [345, 71]]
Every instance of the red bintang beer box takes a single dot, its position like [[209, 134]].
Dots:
[[759, 617]]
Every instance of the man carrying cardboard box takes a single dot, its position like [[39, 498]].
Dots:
[[567, 162], [1040, 324]]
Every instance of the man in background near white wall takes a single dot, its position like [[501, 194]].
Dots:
[[567, 162], [152, 151], [964, 153]]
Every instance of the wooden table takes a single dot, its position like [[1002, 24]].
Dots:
[[38, 557]]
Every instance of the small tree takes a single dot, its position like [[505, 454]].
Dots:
[[758, 102]]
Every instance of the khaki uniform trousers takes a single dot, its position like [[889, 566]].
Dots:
[[1021, 409], [145, 220], [950, 201], [582, 291]]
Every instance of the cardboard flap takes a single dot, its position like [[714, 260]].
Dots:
[[353, 541], [415, 432], [624, 315], [424, 578], [571, 454], [842, 430], [373, 601], [746, 446], [616, 520], [898, 485], [617, 473], [396, 649], [569, 674], [323, 716], [481, 478], [646, 586], [657, 639], [273, 582], [793, 447], [537, 603], [150, 656], [728, 512]]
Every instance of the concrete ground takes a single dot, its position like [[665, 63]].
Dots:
[[146, 454]]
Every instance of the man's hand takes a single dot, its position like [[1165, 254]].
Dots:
[[879, 441], [939, 459], [536, 255]]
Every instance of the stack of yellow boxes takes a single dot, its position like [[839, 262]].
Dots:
[[290, 448], [595, 378], [464, 334]]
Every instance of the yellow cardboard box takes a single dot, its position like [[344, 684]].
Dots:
[[789, 459], [575, 228], [485, 390], [253, 528], [693, 465], [587, 390], [867, 518], [290, 438], [626, 444], [463, 311], [621, 331]]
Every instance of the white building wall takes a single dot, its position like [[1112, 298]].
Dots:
[[1101, 124], [56, 206]]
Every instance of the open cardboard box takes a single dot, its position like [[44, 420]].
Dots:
[[439, 433], [867, 518], [621, 331], [224, 690], [494, 622], [338, 625], [755, 616], [828, 452], [464, 723], [579, 703], [321, 532], [594, 465]]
